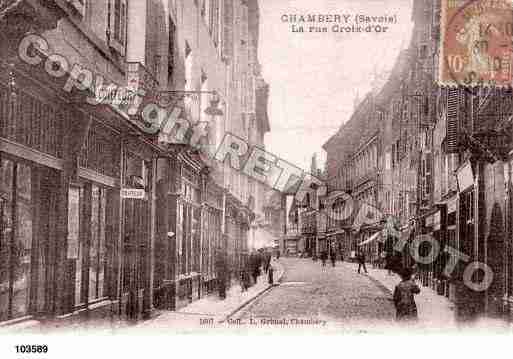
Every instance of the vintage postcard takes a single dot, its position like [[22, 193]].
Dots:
[[254, 167]]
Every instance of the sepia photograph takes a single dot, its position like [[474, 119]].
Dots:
[[254, 168]]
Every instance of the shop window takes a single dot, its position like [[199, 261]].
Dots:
[[184, 253], [15, 239], [98, 249], [75, 244], [92, 260], [467, 222], [195, 237]]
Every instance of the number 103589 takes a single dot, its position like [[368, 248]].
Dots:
[[36, 349]]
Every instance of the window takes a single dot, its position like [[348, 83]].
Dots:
[[92, 260], [171, 52], [156, 66], [426, 175], [204, 97], [444, 173], [118, 23], [188, 66], [196, 240], [15, 239], [228, 29], [75, 244], [186, 213], [173, 6], [423, 51], [78, 5]]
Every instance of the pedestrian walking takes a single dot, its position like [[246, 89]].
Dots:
[[222, 271], [404, 301], [360, 257], [333, 257], [270, 274], [245, 281], [324, 258], [255, 272], [278, 255]]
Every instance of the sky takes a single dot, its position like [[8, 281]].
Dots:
[[315, 77]]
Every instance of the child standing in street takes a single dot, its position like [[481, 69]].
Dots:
[[404, 300]]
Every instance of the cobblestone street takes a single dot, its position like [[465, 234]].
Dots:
[[336, 297]]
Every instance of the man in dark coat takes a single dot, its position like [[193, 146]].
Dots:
[[360, 257], [324, 257], [333, 257], [221, 268], [406, 309], [255, 270], [267, 261]]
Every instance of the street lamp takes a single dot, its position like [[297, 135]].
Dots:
[[213, 109]]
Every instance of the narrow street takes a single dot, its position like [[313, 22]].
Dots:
[[339, 296]]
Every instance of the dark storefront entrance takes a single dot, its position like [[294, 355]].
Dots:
[[91, 243], [28, 208], [137, 227]]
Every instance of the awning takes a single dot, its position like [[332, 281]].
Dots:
[[371, 238], [343, 231]]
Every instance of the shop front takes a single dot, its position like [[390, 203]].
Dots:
[[93, 204], [31, 165], [434, 227], [28, 213], [181, 218], [59, 207], [451, 235], [137, 232], [212, 214], [469, 303], [237, 227]]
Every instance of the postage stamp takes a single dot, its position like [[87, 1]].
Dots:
[[476, 43]]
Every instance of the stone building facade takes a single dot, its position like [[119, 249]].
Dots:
[[73, 239], [443, 170]]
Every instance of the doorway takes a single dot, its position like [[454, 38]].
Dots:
[[28, 208]]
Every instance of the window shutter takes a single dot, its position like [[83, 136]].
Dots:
[[429, 171], [228, 29], [171, 55], [426, 105], [453, 97], [78, 5], [118, 23], [215, 28], [203, 9], [423, 176]]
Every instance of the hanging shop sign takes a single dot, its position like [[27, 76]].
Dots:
[[133, 193], [451, 205], [465, 176]]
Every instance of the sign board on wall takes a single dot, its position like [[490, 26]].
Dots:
[[451, 205], [465, 176], [133, 193]]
